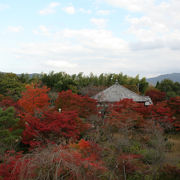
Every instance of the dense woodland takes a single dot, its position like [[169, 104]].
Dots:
[[51, 128]]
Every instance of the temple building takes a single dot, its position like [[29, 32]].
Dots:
[[117, 92]]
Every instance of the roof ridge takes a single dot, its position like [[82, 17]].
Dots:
[[117, 92]]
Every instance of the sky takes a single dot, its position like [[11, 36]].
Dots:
[[99, 36]]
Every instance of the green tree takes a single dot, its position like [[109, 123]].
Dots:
[[171, 88], [10, 85], [62, 81], [10, 134], [59, 81], [143, 85], [24, 78]]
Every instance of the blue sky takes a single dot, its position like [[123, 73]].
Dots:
[[100, 36]]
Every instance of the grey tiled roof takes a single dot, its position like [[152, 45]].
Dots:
[[117, 92]]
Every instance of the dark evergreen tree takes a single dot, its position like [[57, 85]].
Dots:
[[10, 133]]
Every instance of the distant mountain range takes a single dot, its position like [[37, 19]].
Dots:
[[174, 77]]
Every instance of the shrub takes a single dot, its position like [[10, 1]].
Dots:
[[151, 156], [53, 162], [169, 172]]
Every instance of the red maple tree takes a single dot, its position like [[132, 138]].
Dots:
[[50, 126], [83, 105], [127, 111], [174, 105], [156, 95], [34, 98]]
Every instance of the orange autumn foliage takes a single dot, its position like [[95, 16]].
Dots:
[[34, 98]]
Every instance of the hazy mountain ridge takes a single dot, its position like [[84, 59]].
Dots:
[[174, 77]]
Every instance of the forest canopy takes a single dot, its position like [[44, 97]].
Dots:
[[51, 128]]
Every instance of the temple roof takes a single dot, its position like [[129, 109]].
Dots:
[[117, 92]]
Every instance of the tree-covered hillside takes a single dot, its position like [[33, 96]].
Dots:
[[51, 128]]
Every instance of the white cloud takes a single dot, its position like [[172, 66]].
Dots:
[[97, 51], [3, 7], [155, 48], [61, 64], [42, 30], [147, 29], [82, 10], [96, 40], [15, 29], [131, 5], [76, 50], [103, 12], [50, 9], [99, 22], [54, 4], [70, 9], [157, 27]]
